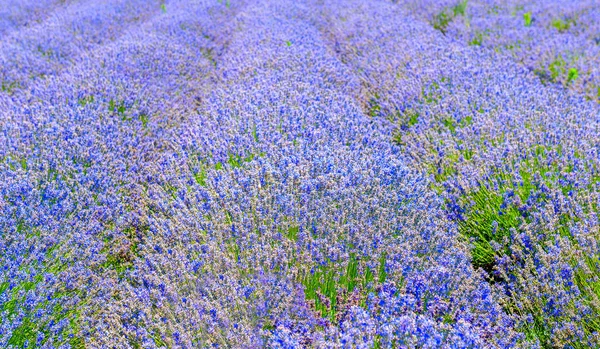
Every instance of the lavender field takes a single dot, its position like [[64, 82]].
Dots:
[[300, 174]]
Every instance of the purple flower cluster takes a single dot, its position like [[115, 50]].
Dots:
[[79, 149], [515, 160], [283, 174], [17, 14], [296, 189], [557, 40], [64, 37]]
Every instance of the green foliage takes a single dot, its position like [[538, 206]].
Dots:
[[120, 258], [441, 21], [200, 176], [466, 121], [199, 167], [486, 221], [23, 333], [292, 232], [158, 340], [406, 119], [442, 170], [209, 53], [349, 280], [450, 124], [557, 71], [144, 119], [374, 106], [477, 39], [382, 274], [321, 288], [45, 52], [236, 161], [573, 74], [86, 100], [15, 162], [118, 108], [118, 262], [562, 25], [431, 93], [327, 285], [77, 342], [460, 9], [254, 134], [227, 3], [413, 119], [528, 18], [556, 68], [9, 86]]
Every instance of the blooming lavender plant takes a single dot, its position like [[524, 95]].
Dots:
[[304, 209], [64, 37], [272, 173], [517, 165], [16, 14], [75, 160], [557, 40]]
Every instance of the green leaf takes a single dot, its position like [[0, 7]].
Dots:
[[528, 18]]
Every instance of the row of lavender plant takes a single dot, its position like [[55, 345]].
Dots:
[[15, 15], [291, 221], [517, 161], [557, 40], [63, 39], [79, 151], [278, 214]]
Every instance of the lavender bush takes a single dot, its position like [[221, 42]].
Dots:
[[557, 40], [515, 160], [283, 174]]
